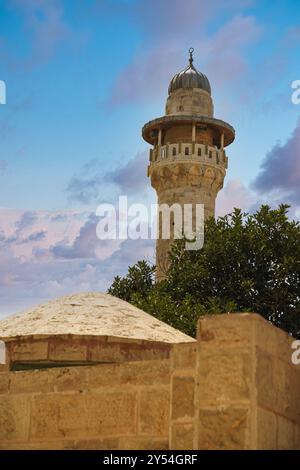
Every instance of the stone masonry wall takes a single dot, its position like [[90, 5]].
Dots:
[[235, 388], [108, 406], [248, 392], [86, 348]]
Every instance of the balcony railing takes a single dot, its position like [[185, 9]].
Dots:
[[189, 151]]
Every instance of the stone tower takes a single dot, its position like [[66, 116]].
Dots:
[[188, 160]]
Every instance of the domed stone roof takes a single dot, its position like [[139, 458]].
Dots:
[[190, 77], [89, 314]]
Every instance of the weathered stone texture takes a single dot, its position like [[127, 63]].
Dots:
[[224, 378], [285, 433], [30, 350], [235, 388], [223, 429], [154, 413], [4, 381], [183, 406], [14, 418], [266, 429], [87, 315], [183, 436], [184, 355], [244, 361]]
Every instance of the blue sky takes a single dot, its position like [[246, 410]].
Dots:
[[83, 77]]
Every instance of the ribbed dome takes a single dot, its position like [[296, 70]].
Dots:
[[190, 77]]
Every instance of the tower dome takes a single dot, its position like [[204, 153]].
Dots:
[[189, 78]]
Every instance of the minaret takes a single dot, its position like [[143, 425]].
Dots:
[[188, 160]]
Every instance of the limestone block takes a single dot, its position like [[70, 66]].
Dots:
[[65, 444], [111, 414], [297, 437], [121, 351], [48, 380], [224, 332], [284, 345], [70, 378], [266, 388], [83, 415], [38, 381], [94, 444], [28, 350], [35, 445], [145, 373], [143, 443], [224, 378], [266, 429], [4, 381], [194, 102], [265, 335], [272, 339], [154, 413], [135, 351], [14, 418], [285, 434], [103, 375], [226, 428], [183, 390], [184, 355], [58, 416], [182, 437], [282, 380], [104, 352], [277, 384], [67, 351], [294, 393], [4, 367], [55, 444]]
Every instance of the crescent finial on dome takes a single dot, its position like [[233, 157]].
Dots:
[[191, 59], [190, 77]]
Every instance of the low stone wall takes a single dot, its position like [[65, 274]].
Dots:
[[107, 406], [84, 349], [249, 390], [235, 388]]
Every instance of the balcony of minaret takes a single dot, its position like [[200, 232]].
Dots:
[[185, 152]]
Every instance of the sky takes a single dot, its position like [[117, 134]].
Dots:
[[82, 77]]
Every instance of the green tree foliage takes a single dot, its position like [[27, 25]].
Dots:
[[249, 262]]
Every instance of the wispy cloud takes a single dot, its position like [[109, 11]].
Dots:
[[226, 60], [45, 25], [168, 35], [279, 175], [34, 237], [65, 258], [132, 177], [85, 185], [86, 245], [26, 220], [90, 184]]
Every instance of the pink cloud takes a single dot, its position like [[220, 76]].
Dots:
[[234, 195], [168, 40], [226, 59], [23, 232], [89, 184], [67, 258], [160, 19]]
